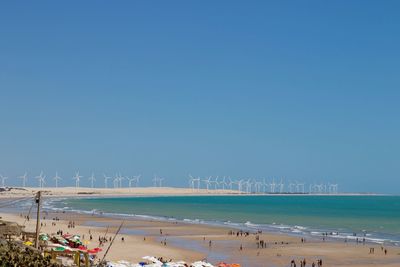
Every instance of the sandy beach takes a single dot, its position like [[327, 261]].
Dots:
[[134, 191], [190, 242]]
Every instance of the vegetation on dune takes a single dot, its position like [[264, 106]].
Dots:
[[12, 255]]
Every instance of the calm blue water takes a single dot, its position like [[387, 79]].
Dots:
[[376, 218]]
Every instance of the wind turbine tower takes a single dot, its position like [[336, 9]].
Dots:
[[56, 179], [191, 182], [106, 180], [155, 181], [23, 177], [160, 181], [3, 180], [207, 182], [41, 179], [92, 179], [273, 185], [77, 178]]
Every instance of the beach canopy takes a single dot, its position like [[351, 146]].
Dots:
[[59, 239], [94, 251], [224, 264], [152, 259], [59, 249], [43, 237], [202, 264]]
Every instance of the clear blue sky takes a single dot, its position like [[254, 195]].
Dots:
[[307, 90]]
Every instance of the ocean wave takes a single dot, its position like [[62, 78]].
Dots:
[[296, 230]]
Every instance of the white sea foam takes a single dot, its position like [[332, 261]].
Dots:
[[295, 229]]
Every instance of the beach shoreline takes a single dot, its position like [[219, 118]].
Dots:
[[189, 242], [16, 192]]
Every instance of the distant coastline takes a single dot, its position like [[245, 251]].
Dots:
[[10, 192]]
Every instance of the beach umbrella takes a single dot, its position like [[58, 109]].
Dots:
[[82, 248], [28, 243], [43, 237], [59, 249], [94, 251]]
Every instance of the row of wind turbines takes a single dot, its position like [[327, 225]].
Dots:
[[247, 186], [260, 186], [117, 180]]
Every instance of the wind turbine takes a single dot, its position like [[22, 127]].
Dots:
[[216, 183], [273, 185], [40, 179], [57, 178], [258, 186], [155, 181], [132, 179], [230, 182], [120, 179], [160, 181], [23, 177], [311, 188], [3, 180], [191, 182], [249, 185], [43, 181], [207, 182], [92, 179], [223, 182], [105, 180], [115, 181], [196, 180], [77, 178], [240, 185], [235, 182], [136, 180], [264, 186], [281, 186], [291, 187], [300, 187]]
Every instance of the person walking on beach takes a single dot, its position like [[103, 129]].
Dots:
[[209, 244], [241, 247]]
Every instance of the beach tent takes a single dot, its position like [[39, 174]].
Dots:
[[202, 264], [59, 239], [43, 237], [28, 243], [122, 263], [175, 264], [224, 264], [152, 259], [94, 251]]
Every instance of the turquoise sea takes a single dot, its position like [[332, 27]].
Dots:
[[376, 218]]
